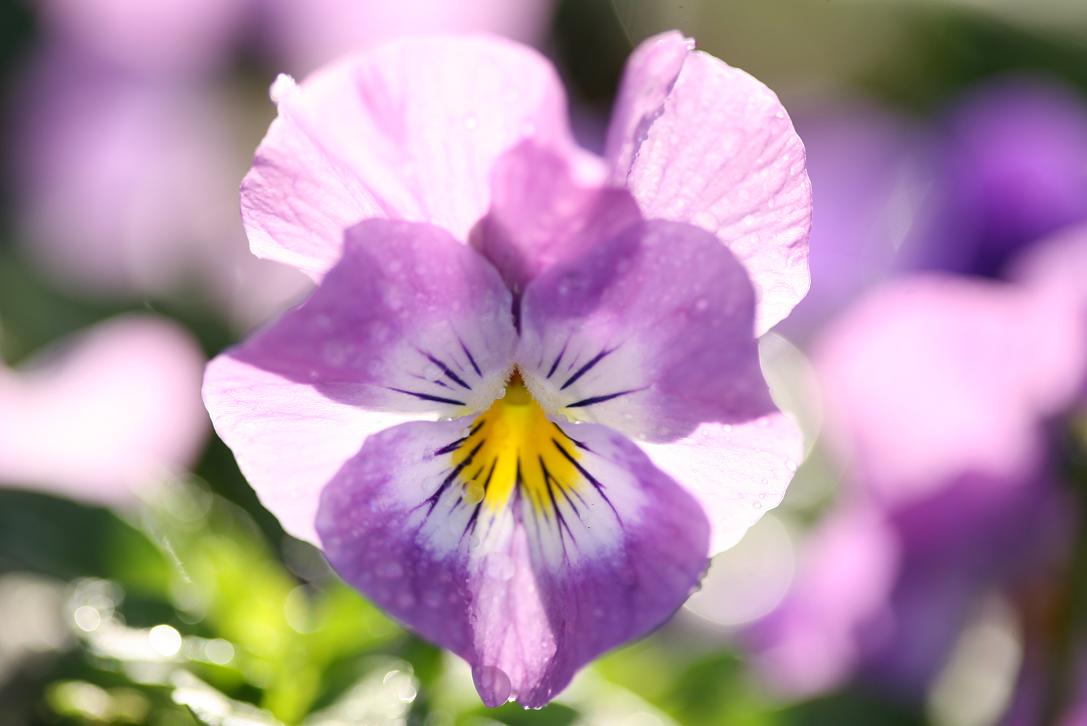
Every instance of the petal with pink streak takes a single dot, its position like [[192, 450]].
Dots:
[[409, 323], [930, 378], [115, 409], [541, 214], [650, 333], [407, 131], [524, 597], [714, 147]]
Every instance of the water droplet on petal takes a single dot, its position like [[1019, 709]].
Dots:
[[493, 685], [473, 493]]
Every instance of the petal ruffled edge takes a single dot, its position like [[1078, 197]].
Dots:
[[408, 130], [698, 141]]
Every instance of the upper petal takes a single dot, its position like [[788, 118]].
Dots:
[[409, 323], [407, 131], [650, 332], [527, 591], [696, 140], [542, 213]]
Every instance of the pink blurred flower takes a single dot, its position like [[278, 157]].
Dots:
[[939, 394], [131, 189], [104, 413], [147, 38], [308, 34]]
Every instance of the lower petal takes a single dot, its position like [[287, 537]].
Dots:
[[530, 574]]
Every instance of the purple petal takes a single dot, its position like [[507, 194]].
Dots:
[[540, 214], [409, 322], [407, 131], [527, 591], [714, 147], [650, 332]]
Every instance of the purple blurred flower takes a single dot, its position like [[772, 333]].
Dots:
[[1014, 170], [130, 188], [525, 529], [127, 147], [871, 172], [114, 409], [938, 395], [1006, 168]]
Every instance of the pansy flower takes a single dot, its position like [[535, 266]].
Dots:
[[524, 403]]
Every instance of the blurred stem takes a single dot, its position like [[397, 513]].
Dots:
[[1071, 627]]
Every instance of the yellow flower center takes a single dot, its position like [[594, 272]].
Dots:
[[513, 446]]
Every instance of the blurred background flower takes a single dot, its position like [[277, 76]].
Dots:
[[929, 563]]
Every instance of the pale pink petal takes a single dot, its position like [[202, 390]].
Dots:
[[735, 472], [407, 131], [114, 409], [714, 147], [288, 438]]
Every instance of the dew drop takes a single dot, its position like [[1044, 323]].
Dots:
[[493, 685], [473, 493]]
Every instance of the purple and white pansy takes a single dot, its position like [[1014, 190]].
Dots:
[[524, 404]]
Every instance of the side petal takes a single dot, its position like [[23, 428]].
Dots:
[[650, 332], [711, 145], [541, 213], [736, 472], [409, 323], [407, 131], [527, 592]]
